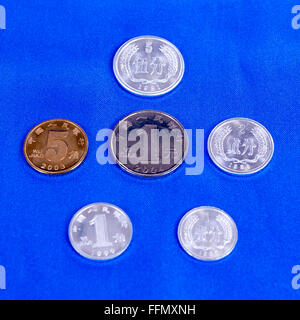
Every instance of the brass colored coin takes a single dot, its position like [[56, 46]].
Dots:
[[55, 146]]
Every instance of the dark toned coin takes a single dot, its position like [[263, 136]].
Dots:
[[55, 146], [149, 143]]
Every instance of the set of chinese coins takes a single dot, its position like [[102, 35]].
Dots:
[[150, 66]]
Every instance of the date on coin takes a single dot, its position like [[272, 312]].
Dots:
[[55, 146]]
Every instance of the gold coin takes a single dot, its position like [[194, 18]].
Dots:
[[55, 146]]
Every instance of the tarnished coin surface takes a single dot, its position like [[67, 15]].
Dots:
[[240, 146], [207, 233], [55, 146], [100, 231], [148, 66], [149, 143]]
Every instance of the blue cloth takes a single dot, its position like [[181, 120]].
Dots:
[[242, 60]]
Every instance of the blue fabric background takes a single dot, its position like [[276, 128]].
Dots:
[[242, 59]]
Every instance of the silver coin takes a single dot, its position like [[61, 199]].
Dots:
[[240, 146], [207, 233], [100, 231], [148, 66], [149, 143]]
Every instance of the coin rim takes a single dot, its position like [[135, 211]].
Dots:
[[231, 171], [220, 211], [61, 171], [139, 92], [83, 209], [123, 166]]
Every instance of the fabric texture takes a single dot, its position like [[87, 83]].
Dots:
[[241, 59]]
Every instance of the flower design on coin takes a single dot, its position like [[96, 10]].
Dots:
[[100, 231], [240, 146], [149, 143], [148, 66], [55, 146], [207, 233]]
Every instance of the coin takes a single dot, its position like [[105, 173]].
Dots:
[[240, 146], [55, 146], [100, 231], [149, 143], [207, 233], [148, 66]]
